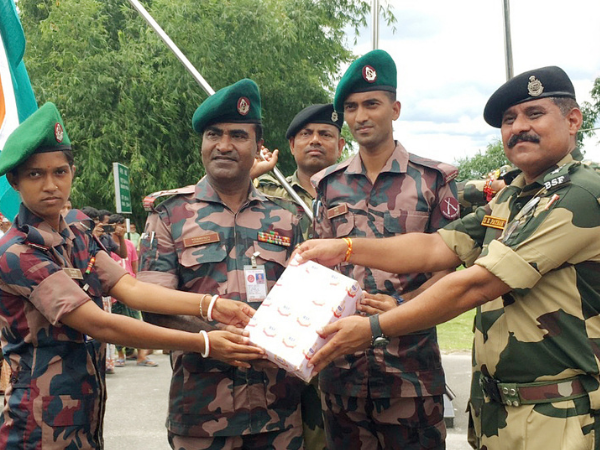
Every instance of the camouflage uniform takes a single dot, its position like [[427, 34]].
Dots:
[[408, 196], [271, 187], [312, 414], [56, 396], [540, 340], [193, 242]]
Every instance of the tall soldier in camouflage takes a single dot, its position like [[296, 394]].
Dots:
[[389, 397], [533, 257], [225, 237], [53, 273]]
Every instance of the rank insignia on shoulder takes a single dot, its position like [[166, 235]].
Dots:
[[37, 246], [149, 200], [338, 210], [493, 222], [273, 237], [207, 238]]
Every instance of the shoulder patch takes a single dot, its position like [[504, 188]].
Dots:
[[151, 198], [448, 171]]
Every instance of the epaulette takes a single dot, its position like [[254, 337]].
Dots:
[[151, 198], [43, 248], [319, 176], [448, 171]]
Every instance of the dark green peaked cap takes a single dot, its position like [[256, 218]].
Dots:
[[238, 103], [43, 131], [544, 82], [375, 71]]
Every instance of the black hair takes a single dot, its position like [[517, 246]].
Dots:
[[116, 218], [102, 213], [90, 211]]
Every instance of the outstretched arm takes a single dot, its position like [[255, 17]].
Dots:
[[446, 299], [407, 253]]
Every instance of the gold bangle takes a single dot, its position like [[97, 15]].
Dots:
[[348, 242], [201, 300]]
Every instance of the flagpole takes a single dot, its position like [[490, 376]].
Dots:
[[210, 91]]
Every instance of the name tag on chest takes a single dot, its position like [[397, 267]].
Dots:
[[336, 211], [73, 273], [208, 238], [493, 222]]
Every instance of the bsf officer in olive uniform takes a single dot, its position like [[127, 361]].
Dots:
[[533, 265], [224, 237]]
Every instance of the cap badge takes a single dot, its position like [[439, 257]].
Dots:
[[334, 116], [58, 132], [369, 74], [534, 87], [243, 106]]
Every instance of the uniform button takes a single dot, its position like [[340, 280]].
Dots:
[[505, 390], [515, 403], [508, 403], [513, 392]]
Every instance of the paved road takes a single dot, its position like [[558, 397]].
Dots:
[[137, 404]]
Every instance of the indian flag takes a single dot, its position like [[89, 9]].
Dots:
[[17, 101]]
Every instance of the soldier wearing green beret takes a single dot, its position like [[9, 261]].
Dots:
[[53, 275], [533, 263], [383, 191], [225, 237]]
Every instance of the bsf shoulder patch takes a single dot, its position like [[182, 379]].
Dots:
[[493, 222], [557, 181]]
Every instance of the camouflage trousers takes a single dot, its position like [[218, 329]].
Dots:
[[564, 425], [312, 417], [403, 423], [290, 439]]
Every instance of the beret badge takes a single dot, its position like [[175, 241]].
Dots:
[[369, 74], [534, 87], [334, 116], [243, 106], [59, 133]]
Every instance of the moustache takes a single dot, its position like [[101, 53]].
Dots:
[[522, 137]]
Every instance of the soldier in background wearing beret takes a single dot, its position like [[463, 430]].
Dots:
[[225, 237], [533, 265], [53, 274], [315, 141], [390, 396]]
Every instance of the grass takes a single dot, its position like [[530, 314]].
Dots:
[[456, 335]]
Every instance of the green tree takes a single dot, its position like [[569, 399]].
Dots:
[[482, 163], [591, 113], [126, 98]]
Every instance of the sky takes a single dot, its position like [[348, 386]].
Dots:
[[450, 58]]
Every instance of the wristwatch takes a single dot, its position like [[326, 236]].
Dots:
[[378, 339]]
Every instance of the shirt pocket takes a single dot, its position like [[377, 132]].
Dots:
[[274, 257], [68, 418], [343, 225], [205, 254], [402, 221]]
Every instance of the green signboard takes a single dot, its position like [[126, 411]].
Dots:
[[122, 191]]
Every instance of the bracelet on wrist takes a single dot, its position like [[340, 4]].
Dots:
[[202, 301], [213, 301], [348, 242], [206, 351]]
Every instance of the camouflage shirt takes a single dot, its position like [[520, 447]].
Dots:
[[271, 187], [542, 240], [411, 194], [56, 394], [193, 242]]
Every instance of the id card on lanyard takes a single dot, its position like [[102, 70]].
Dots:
[[255, 278]]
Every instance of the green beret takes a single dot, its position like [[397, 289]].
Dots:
[[545, 82], [315, 114], [375, 71], [238, 103], [41, 132]]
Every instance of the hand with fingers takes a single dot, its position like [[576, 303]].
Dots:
[[232, 346], [264, 162], [351, 334], [376, 303], [230, 312], [328, 252]]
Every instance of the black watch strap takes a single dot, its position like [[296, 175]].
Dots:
[[375, 327]]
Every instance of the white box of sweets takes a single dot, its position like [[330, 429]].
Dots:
[[305, 299]]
